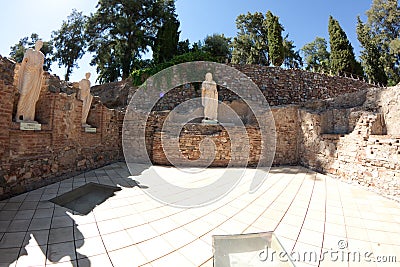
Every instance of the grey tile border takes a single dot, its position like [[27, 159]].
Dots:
[[40, 224], [12, 240], [41, 237], [6, 215], [43, 213], [64, 221], [56, 252], [19, 226], [61, 235], [24, 214], [8, 255]]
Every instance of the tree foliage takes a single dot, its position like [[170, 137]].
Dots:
[[342, 57], [166, 43], [120, 32], [275, 41], [259, 41], [292, 58], [18, 50], [250, 46], [140, 75], [218, 46], [70, 42], [380, 38], [371, 57], [316, 55]]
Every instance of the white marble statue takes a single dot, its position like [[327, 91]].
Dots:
[[86, 97], [209, 98], [29, 83]]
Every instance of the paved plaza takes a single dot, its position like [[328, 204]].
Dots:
[[309, 213]]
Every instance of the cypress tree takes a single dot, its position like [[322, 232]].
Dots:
[[166, 42], [342, 55], [371, 57], [275, 40]]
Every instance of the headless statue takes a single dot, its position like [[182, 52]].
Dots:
[[209, 98], [30, 83], [86, 97]]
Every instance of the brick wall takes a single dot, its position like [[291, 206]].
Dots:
[[29, 159], [334, 125]]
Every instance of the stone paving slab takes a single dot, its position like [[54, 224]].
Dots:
[[310, 213]]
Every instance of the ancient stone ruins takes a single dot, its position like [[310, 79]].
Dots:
[[336, 125]]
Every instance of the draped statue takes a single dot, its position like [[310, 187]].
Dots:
[[86, 97], [209, 98], [29, 83]]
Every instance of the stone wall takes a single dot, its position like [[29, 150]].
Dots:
[[354, 144], [30, 159], [279, 86], [286, 127], [334, 125], [293, 86]]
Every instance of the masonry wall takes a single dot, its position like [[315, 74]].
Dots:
[[30, 159], [359, 148], [353, 133], [279, 87], [247, 150], [295, 86]]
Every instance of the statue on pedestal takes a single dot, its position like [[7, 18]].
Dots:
[[209, 98], [29, 83], [86, 97]]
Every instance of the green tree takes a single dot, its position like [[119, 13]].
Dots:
[[381, 30], [293, 58], [371, 57], [275, 41], [342, 57], [218, 46], [183, 47], [70, 42], [120, 32], [250, 46], [316, 55], [166, 43], [18, 50]]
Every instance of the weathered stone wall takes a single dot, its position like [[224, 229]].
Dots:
[[353, 144], [29, 159], [286, 127], [279, 86], [334, 125], [292, 86]]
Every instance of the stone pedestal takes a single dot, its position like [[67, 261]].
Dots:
[[90, 130], [30, 126], [212, 122]]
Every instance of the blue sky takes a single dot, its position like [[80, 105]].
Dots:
[[303, 20]]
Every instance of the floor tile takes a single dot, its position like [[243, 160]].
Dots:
[[61, 252], [40, 224], [117, 240], [19, 226], [12, 240], [127, 257], [163, 235], [91, 247], [61, 235], [98, 260]]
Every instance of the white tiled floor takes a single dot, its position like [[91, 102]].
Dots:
[[307, 211]]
